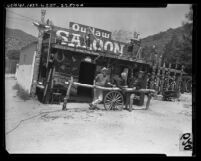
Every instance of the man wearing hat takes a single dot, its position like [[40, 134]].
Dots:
[[101, 80], [138, 84]]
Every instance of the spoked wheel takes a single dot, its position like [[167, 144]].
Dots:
[[113, 101]]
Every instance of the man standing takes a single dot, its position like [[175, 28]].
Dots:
[[137, 84], [101, 80], [120, 81]]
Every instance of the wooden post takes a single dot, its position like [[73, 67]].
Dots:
[[149, 96], [52, 83], [46, 85], [174, 79], [94, 90], [158, 81], [38, 56], [64, 108], [153, 77], [43, 12], [162, 79], [138, 55], [169, 75], [49, 49], [181, 74]]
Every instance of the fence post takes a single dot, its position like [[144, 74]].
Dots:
[[64, 108], [149, 96], [94, 90]]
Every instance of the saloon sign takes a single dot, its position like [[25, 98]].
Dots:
[[76, 38]]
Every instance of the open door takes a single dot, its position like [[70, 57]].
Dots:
[[86, 76]]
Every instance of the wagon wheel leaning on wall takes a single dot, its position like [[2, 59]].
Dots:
[[113, 100]]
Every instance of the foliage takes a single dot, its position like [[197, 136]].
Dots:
[[180, 51], [13, 54], [21, 93], [174, 45], [189, 15], [122, 35], [16, 39]]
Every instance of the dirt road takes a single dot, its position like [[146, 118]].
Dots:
[[79, 130]]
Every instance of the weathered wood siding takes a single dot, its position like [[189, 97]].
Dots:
[[24, 73]]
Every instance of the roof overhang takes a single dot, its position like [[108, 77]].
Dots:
[[96, 53]]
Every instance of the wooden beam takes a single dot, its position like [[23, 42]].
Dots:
[[67, 94], [95, 53], [49, 49], [113, 88], [46, 85]]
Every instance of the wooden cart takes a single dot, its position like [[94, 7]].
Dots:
[[114, 97]]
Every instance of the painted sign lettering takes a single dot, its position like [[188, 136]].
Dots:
[[76, 39], [99, 33]]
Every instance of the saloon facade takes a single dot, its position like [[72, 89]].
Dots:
[[80, 51]]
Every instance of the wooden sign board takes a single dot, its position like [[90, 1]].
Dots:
[[99, 33], [77, 39]]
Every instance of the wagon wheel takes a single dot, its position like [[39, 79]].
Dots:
[[113, 100]]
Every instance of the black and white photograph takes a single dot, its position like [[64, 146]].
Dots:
[[99, 80]]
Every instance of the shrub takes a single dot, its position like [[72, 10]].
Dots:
[[21, 93], [16, 86]]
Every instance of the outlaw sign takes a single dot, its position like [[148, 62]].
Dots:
[[99, 33]]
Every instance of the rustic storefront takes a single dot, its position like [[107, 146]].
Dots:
[[80, 52]]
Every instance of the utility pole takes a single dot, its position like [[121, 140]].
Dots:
[[38, 54]]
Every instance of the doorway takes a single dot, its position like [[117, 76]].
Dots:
[[86, 76]]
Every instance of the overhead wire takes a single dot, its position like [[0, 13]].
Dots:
[[22, 15], [15, 21], [17, 18]]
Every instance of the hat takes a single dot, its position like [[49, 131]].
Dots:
[[104, 69]]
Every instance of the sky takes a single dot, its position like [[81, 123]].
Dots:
[[146, 21]]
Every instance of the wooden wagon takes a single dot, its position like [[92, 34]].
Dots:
[[114, 96]]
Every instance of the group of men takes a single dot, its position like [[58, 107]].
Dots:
[[121, 81]]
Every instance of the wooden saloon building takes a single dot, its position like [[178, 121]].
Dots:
[[79, 51]]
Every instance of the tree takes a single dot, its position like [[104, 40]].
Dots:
[[13, 54], [172, 51], [148, 53], [186, 56], [179, 51], [122, 35], [189, 15]]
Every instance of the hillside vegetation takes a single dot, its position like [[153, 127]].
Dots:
[[16, 39]]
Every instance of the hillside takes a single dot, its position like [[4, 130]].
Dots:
[[159, 40], [162, 38], [16, 39]]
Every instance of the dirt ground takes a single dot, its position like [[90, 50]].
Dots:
[[48, 129]]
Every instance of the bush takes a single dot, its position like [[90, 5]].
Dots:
[[21, 93]]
